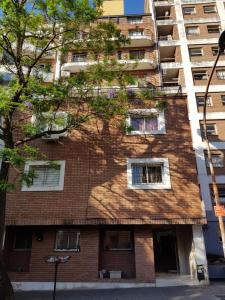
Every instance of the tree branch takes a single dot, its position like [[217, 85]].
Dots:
[[39, 135]]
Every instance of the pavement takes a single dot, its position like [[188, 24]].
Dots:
[[215, 291]]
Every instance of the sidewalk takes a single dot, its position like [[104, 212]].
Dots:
[[216, 291]]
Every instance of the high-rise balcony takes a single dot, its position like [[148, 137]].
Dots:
[[158, 3], [128, 64]]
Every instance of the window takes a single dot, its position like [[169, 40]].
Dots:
[[118, 240], [134, 20], [137, 54], [201, 99], [215, 50], [221, 191], [210, 128], [67, 240], [213, 28], [195, 52], [79, 57], [136, 32], [223, 99], [192, 30], [46, 176], [22, 240], [200, 75], [5, 78], [217, 161], [146, 121], [209, 9], [119, 55], [148, 173], [220, 74], [189, 10]]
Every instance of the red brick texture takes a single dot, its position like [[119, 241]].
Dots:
[[95, 187]]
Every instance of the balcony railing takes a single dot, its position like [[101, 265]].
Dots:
[[135, 94], [168, 37]]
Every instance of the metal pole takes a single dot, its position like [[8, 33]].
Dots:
[[55, 280], [211, 167]]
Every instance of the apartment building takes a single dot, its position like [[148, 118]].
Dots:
[[125, 206], [188, 32]]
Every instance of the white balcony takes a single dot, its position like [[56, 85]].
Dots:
[[7, 75], [142, 64], [165, 22], [171, 65], [201, 20], [163, 3], [196, 1], [141, 41]]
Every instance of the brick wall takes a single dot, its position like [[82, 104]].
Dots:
[[217, 104], [144, 254], [95, 186], [82, 266]]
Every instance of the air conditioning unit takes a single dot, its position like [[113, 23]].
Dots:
[[51, 137]]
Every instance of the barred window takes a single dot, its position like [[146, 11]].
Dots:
[[144, 174]]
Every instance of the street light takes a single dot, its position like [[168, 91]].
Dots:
[[219, 209]]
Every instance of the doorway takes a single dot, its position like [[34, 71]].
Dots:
[[165, 251]]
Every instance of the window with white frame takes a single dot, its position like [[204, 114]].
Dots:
[[220, 74], [67, 240], [213, 28], [201, 100], [210, 128], [217, 160], [189, 10], [195, 51], [135, 20], [192, 30], [79, 57], [209, 9], [146, 121], [200, 75], [223, 99], [135, 32], [148, 173], [45, 175]]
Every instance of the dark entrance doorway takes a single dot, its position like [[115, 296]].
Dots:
[[165, 251]]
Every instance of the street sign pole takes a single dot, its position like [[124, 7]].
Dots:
[[56, 260]]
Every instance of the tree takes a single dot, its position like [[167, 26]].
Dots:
[[30, 31]]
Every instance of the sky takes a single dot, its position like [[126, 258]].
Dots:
[[133, 6]]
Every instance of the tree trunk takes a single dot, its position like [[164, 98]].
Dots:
[[6, 289]]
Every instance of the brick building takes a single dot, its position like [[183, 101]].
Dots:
[[128, 202]]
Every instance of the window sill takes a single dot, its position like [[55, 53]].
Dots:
[[41, 189], [66, 250], [146, 133], [160, 186]]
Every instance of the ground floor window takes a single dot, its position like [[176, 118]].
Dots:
[[118, 240], [67, 240]]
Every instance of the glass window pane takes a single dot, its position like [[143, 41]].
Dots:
[[137, 124], [151, 124]]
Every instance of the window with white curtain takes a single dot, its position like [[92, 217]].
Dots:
[[45, 176], [146, 121], [67, 240]]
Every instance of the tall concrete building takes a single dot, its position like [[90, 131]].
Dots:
[[187, 34], [131, 209]]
